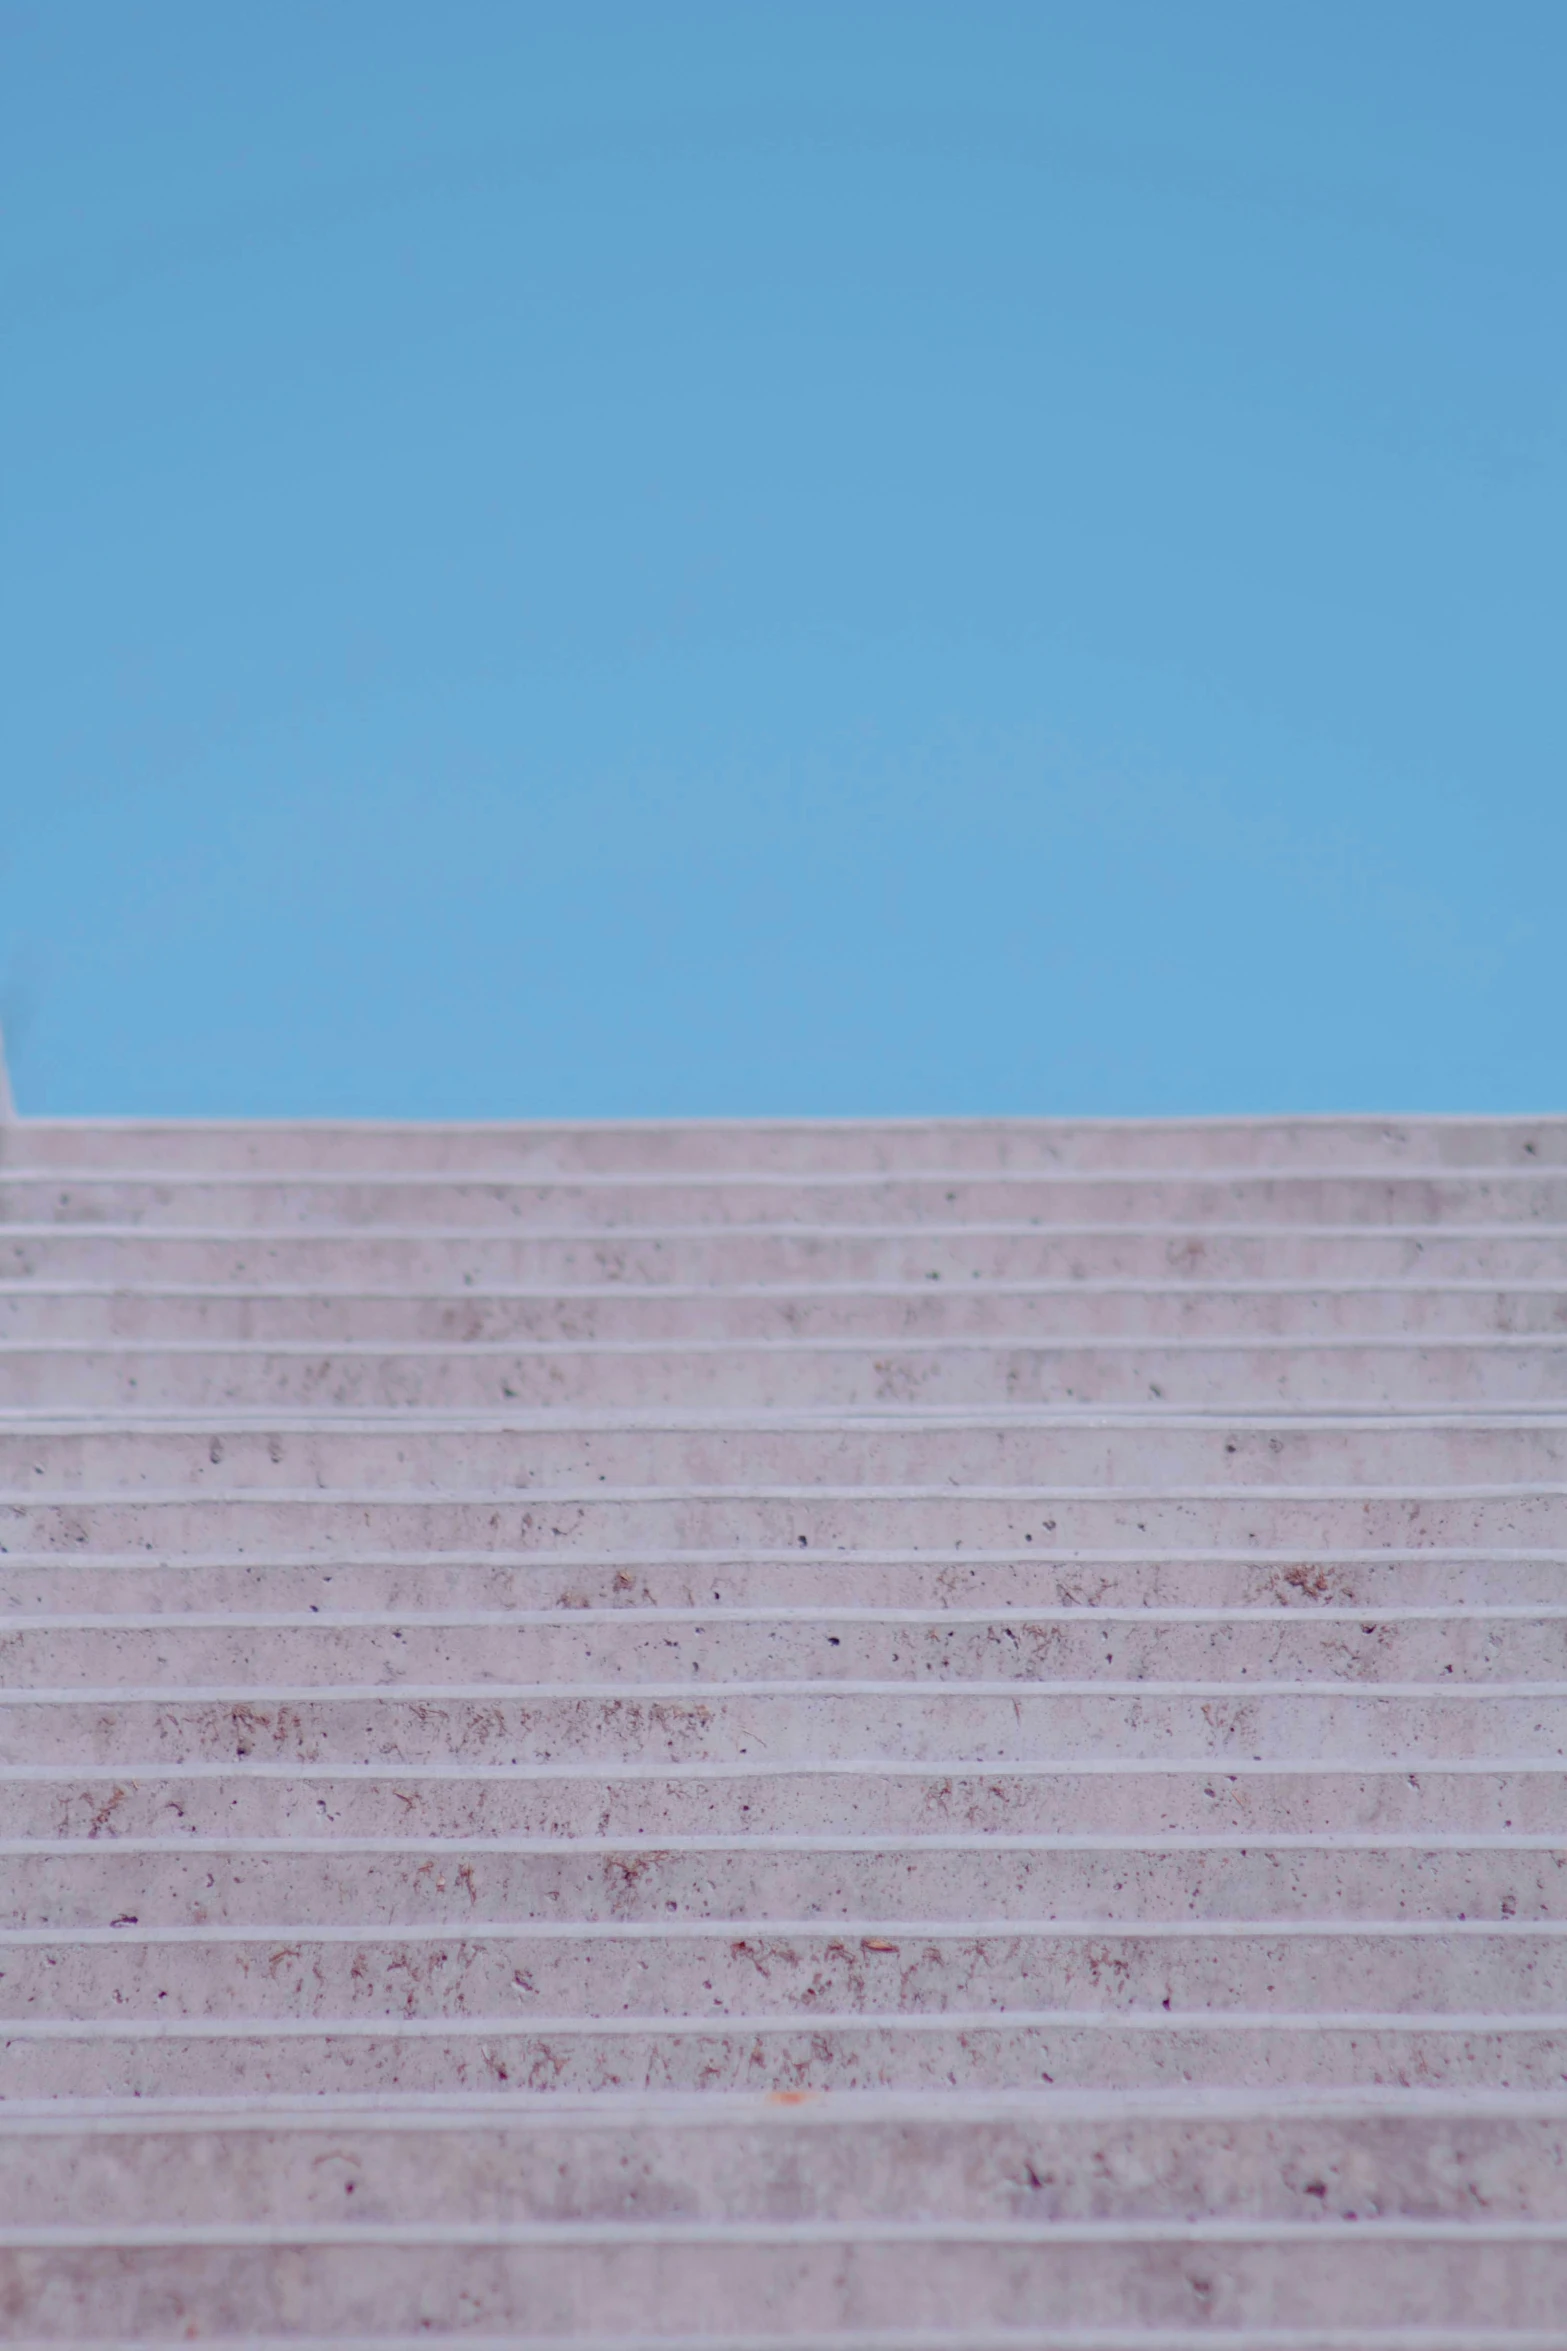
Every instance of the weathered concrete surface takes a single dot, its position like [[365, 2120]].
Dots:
[[934, 1734]]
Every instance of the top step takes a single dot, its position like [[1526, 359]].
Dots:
[[783, 1146]]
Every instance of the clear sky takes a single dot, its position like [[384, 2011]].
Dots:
[[783, 558]]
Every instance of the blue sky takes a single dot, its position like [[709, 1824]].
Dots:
[[602, 560]]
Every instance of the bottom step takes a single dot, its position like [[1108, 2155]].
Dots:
[[1346, 2221], [1351, 2156], [966, 2338], [802, 2289]]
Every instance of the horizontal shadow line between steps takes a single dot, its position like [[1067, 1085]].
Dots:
[[599, 2234], [325, 1232], [766, 1841], [887, 1933], [776, 2024], [1371, 2337], [789, 2111], [540, 1497], [695, 1691], [1047, 1557], [1249, 1418], [642, 1615], [1061, 1286], [746, 1179], [942, 1769], [830, 1343]]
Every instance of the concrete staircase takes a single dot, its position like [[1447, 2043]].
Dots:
[[925, 1735]]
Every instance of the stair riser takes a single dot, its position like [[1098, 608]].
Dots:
[[1175, 1798], [501, 2055], [329, 1888], [1007, 1251], [553, 2290], [630, 1205], [1300, 1523], [792, 1374], [1141, 1450], [785, 2165], [1140, 1453], [881, 1317], [514, 1148], [688, 1727], [744, 1969], [797, 1579], [633, 1651]]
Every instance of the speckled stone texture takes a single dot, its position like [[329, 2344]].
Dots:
[[938, 1736]]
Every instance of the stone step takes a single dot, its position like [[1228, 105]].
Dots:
[[335, 1262], [705, 1969], [966, 2337], [627, 1202], [1242, 1796], [822, 1374], [828, 1720], [1389, 1584], [896, 1454], [713, 1647], [591, 2286], [176, 1879], [730, 2156], [106, 1314], [1298, 1521], [1064, 2337], [636, 2166], [1125, 2047], [807, 1146]]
